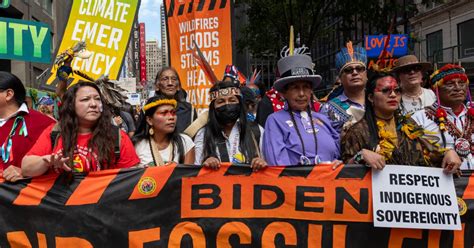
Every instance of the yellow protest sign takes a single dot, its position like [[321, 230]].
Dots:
[[105, 26]]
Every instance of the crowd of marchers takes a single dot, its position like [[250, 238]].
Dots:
[[402, 115]]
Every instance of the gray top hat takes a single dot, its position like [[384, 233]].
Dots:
[[298, 67]]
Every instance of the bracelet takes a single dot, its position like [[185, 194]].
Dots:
[[358, 158]]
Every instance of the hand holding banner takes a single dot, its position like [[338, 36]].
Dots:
[[414, 197]]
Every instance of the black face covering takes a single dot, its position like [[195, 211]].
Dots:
[[228, 113]]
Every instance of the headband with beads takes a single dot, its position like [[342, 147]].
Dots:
[[446, 73], [224, 92], [438, 78], [160, 102]]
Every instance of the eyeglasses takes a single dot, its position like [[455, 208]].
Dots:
[[166, 79], [167, 113], [408, 69], [453, 85], [388, 91], [350, 69]]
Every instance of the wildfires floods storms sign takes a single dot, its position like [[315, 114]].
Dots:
[[105, 26], [208, 23]]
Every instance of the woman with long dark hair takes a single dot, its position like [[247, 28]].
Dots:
[[157, 141], [168, 84], [86, 139], [227, 136], [385, 136]]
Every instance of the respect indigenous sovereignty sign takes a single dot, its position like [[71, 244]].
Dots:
[[208, 22], [25, 40], [414, 197], [199, 207], [105, 25], [396, 48]]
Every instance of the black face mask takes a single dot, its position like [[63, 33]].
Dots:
[[228, 113]]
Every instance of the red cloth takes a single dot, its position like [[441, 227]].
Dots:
[[276, 99], [278, 103], [36, 122], [85, 160], [316, 106]]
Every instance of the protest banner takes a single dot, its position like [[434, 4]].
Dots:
[[396, 47], [414, 197], [25, 40], [133, 99], [105, 26], [192, 206], [208, 23]]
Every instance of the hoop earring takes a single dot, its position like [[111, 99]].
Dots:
[[151, 131]]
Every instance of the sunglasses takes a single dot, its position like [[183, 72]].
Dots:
[[167, 113], [350, 69], [388, 91], [408, 69]]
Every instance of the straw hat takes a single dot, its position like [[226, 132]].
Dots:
[[409, 60]]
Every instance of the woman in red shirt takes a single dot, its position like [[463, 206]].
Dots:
[[86, 139]]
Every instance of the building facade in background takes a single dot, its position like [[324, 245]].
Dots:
[[131, 63], [153, 59], [164, 38], [445, 33], [142, 39], [55, 14]]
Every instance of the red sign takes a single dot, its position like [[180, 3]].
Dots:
[[142, 54]]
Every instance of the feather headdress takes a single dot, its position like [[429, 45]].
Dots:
[[350, 54], [78, 50], [112, 93]]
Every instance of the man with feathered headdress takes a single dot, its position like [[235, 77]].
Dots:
[[348, 107], [449, 117]]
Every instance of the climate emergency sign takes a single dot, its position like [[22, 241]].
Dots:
[[207, 23], [414, 197], [105, 25]]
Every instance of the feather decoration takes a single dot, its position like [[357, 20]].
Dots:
[[257, 77], [292, 40], [202, 62], [254, 76], [350, 50], [111, 92], [85, 76], [242, 78], [71, 52]]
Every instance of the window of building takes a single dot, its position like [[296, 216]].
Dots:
[[466, 39], [48, 6], [434, 46]]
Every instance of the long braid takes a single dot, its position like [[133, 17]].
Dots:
[[314, 131], [297, 130]]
